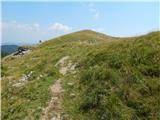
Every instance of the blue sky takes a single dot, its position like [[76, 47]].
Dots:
[[29, 22]]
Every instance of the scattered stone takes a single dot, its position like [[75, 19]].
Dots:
[[40, 76], [70, 84], [73, 67], [21, 51], [34, 58], [29, 75], [54, 98], [23, 79], [54, 118], [72, 95], [26, 77], [18, 84]]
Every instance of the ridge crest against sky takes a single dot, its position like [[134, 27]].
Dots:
[[29, 22]]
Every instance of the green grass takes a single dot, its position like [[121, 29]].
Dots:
[[25, 102], [118, 81], [115, 79]]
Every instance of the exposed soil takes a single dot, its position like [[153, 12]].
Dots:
[[53, 111]]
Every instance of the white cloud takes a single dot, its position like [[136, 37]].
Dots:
[[59, 27], [35, 27], [13, 31], [20, 26]]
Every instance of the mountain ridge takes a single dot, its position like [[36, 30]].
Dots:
[[100, 77], [8, 49]]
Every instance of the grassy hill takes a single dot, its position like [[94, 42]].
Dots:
[[103, 78]]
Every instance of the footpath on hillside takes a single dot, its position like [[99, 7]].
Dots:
[[54, 111]]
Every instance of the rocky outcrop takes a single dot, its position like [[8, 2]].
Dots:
[[21, 51]]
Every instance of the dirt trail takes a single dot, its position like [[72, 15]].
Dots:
[[65, 65], [56, 87], [53, 110]]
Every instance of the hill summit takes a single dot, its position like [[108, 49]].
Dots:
[[84, 76]]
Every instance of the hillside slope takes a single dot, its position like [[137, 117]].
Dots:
[[84, 76]]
